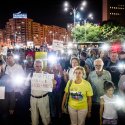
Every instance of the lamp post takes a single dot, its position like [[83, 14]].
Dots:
[[15, 38], [74, 9], [74, 15], [90, 16]]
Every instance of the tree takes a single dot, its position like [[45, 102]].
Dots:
[[86, 32], [90, 32], [111, 32]]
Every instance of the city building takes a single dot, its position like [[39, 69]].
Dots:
[[53, 32], [36, 33], [22, 30], [19, 31], [114, 10], [2, 37]]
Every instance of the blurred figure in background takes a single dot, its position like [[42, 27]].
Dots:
[[55, 97], [89, 62], [83, 57], [7, 105], [112, 67], [68, 75], [17, 75], [104, 56], [28, 64], [121, 87]]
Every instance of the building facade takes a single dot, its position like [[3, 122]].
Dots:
[[23, 30], [114, 10], [19, 31], [2, 37]]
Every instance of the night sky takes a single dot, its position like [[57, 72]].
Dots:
[[48, 12]]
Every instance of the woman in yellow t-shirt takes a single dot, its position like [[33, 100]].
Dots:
[[80, 99]]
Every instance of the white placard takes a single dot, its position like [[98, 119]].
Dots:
[[57, 45], [43, 82], [2, 92]]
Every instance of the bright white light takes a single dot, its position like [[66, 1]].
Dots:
[[25, 61], [70, 45], [89, 48], [78, 16], [17, 46], [62, 51], [70, 52], [90, 16], [52, 59], [121, 66], [84, 3], [82, 8], [49, 46], [65, 9], [66, 4], [68, 26], [120, 102], [75, 45], [16, 57], [80, 19], [105, 47], [18, 80], [123, 45]]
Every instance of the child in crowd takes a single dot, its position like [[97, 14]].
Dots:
[[108, 110]]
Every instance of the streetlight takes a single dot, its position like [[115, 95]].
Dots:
[[74, 9], [90, 16], [15, 38]]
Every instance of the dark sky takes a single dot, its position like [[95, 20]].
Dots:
[[48, 12]]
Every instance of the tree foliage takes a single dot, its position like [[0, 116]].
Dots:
[[94, 33], [111, 32]]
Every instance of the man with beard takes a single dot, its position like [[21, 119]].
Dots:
[[97, 79]]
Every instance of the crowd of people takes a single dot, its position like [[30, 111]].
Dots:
[[95, 80]]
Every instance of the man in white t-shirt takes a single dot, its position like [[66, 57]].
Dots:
[[17, 75], [16, 72]]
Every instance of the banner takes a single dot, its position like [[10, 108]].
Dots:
[[57, 45], [43, 82]]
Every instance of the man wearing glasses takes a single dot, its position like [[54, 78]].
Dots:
[[97, 78]]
